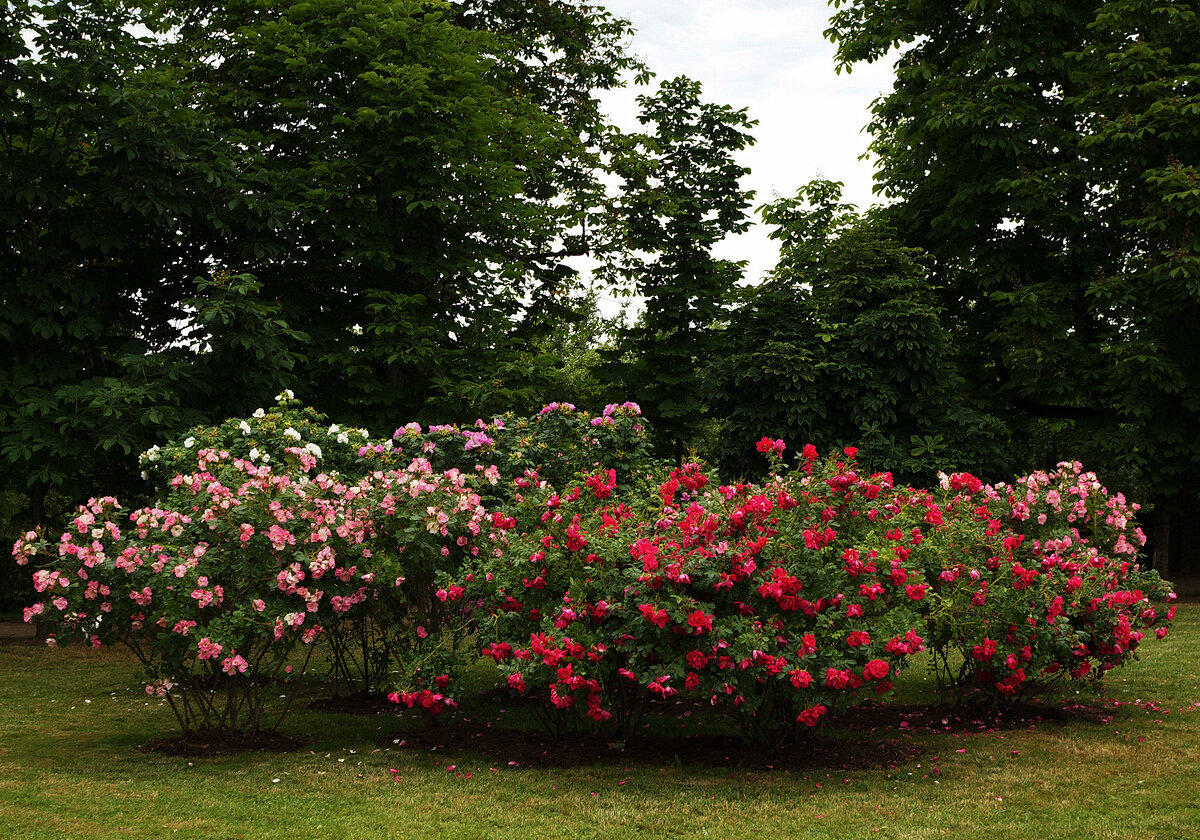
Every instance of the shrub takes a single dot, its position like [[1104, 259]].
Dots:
[[772, 602], [216, 587], [557, 443], [1035, 583], [263, 439], [213, 595]]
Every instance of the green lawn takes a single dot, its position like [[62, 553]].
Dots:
[[71, 722]]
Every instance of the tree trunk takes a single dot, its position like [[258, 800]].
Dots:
[[1175, 536]]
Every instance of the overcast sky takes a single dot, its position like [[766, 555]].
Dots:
[[770, 57]]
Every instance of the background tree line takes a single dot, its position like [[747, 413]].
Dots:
[[376, 203]]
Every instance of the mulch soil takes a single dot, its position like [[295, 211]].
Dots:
[[867, 737], [862, 738], [202, 746]]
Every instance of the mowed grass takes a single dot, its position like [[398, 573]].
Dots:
[[72, 721]]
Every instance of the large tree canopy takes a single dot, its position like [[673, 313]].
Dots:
[[202, 203], [110, 185], [681, 196], [428, 200], [844, 344], [1045, 154]]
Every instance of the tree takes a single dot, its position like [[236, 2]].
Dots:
[[1044, 154], [426, 201], [580, 340], [681, 197], [204, 203], [109, 181], [844, 345]]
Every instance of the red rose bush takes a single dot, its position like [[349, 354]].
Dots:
[[772, 602]]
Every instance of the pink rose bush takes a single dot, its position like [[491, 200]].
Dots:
[[181, 584], [556, 443], [249, 563], [1035, 583]]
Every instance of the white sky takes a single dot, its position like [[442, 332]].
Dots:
[[770, 57]]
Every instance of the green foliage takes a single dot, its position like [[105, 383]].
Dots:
[[107, 180], [680, 198], [845, 344], [579, 341], [203, 203], [1043, 155]]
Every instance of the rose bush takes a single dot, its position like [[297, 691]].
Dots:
[[557, 443], [264, 440], [771, 602], [594, 578], [1035, 583], [213, 591], [250, 556]]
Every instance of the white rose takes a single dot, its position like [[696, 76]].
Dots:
[[258, 412], [244, 427], [291, 433], [189, 443], [254, 453]]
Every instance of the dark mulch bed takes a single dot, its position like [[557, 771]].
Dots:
[[519, 748], [958, 720], [354, 704], [860, 738], [200, 746], [869, 736]]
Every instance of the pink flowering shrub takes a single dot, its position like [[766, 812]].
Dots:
[[217, 588], [557, 443], [410, 636], [213, 591], [772, 602], [420, 521], [1036, 583]]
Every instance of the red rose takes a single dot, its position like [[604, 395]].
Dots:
[[700, 620], [800, 679], [876, 669], [858, 637], [809, 717]]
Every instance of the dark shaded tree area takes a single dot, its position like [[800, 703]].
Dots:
[[202, 204], [1047, 157], [845, 345], [375, 203]]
